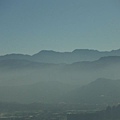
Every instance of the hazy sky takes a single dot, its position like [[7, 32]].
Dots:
[[28, 26]]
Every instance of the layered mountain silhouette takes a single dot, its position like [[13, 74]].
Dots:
[[17, 72], [49, 56], [49, 76]]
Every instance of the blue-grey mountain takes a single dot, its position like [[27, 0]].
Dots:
[[49, 56], [49, 76]]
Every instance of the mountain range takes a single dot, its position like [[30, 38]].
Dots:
[[49, 76], [49, 56]]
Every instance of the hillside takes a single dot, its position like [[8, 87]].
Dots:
[[100, 91]]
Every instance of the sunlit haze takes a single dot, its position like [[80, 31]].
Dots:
[[28, 26]]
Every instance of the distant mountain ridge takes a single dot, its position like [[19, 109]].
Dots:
[[45, 74], [49, 56]]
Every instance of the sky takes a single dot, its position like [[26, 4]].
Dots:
[[29, 26]]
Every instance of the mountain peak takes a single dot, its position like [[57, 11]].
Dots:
[[46, 52], [84, 50]]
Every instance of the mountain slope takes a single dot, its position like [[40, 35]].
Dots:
[[100, 91]]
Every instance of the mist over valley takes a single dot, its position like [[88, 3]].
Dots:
[[50, 76]]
